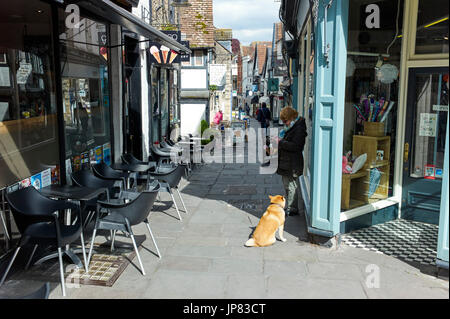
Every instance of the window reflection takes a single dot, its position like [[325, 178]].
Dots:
[[28, 126], [84, 66]]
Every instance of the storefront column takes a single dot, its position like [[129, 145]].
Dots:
[[442, 250], [116, 92], [328, 117]]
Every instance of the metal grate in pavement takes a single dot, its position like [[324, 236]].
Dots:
[[404, 239]]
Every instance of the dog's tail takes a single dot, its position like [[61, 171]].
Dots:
[[250, 243]]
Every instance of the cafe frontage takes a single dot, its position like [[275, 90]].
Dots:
[[70, 96]]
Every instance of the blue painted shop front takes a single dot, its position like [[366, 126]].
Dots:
[[331, 135]]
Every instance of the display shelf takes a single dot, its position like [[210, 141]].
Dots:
[[379, 164], [347, 202], [371, 145]]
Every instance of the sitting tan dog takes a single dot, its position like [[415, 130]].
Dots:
[[273, 219]]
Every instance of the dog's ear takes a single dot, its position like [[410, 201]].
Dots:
[[270, 197]]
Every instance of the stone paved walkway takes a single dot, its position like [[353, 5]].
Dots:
[[203, 256]]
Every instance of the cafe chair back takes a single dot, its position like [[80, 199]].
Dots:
[[39, 223], [130, 159], [170, 179], [122, 215], [104, 171], [85, 178]]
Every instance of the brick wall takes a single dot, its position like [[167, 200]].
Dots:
[[197, 23]]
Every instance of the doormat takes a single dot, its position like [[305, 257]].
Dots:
[[407, 240], [104, 269]]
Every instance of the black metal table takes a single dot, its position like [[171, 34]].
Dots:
[[136, 169], [72, 193]]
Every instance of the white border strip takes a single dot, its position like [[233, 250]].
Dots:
[[359, 211]]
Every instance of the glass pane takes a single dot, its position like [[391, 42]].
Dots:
[[371, 101], [430, 125], [432, 27], [84, 68], [28, 124], [164, 85], [155, 102]]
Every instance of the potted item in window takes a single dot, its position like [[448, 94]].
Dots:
[[375, 129], [430, 171]]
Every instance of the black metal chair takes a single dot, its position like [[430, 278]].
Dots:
[[173, 149], [130, 159], [169, 179], [38, 222], [122, 215], [85, 178], [104, 171], [41, 293]]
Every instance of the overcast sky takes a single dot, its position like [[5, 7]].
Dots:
[[251, 20]]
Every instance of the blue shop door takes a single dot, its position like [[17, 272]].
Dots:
[[443, 238], [423, 158]]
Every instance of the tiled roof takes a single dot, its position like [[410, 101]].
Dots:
[[262, 54], [248, 51], [278, 31]]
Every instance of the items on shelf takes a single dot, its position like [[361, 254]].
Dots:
[[370, 110]]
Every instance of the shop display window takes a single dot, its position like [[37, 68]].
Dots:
[[371, 104], [432, 27], [430, 124], [28, 125], [85, 90], [155, 102], [174, 109], [164, 95]]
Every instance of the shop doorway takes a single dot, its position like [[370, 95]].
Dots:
[[132, 98], [423, 160]]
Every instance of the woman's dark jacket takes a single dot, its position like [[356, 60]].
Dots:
[[290, 148]]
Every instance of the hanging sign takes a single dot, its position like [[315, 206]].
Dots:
[[217, 73], [440, 108], [163, 55]]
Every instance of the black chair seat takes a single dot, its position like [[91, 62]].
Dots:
[[46, 232]]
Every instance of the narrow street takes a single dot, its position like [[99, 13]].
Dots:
[[204, 255], [134, 138]]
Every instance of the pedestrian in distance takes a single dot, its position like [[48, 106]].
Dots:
[[247, 109], [264, 117], [290, 156], [218, 118]]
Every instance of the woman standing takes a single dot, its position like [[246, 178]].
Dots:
[[290, 156]]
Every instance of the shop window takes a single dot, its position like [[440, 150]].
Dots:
[[155, 104], [432, 27], [164, 95], [174, 109], [28, 124], [371, 103], [85, 90], [430, 122], [198, 58]]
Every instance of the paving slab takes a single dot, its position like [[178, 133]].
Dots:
[[246, 286], [186, 285]]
